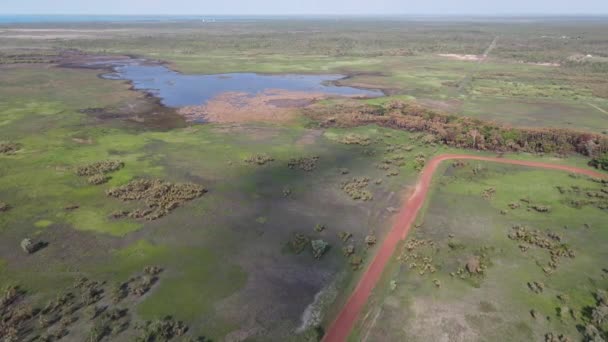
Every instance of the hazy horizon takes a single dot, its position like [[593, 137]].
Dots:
[[309, 8]]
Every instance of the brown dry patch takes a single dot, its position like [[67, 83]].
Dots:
[[449, 106], [83, 141], [271, 105], [461, 57], [310, 137], [253, 132], [439, 322]]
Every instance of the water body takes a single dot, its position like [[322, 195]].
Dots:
[[177, 90]]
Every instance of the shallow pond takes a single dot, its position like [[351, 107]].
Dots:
[[177, 90]]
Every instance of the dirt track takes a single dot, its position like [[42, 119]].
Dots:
[[341, 327]]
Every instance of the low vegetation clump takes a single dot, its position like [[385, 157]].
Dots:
[[348, 250], [82, 303], [9, 147], [259, 159], [4, 207], [370, 240], [99, 168], [396, 160], [13, 318], [551, 242], [159, 196], [304, 163], [98, 179], [345, 236], [164, 329], [418, 255], [596, 328], [600, 162], [419, 162], [142, 285], [392, 173], [110, 323], [97, 171], [356, 188], [298, 243], [354, 139], [578, 197], [71, 207], [320, 227], [514, 205], [536, 286], [355, 261], [540, 208], [551, 337], [488, 193]]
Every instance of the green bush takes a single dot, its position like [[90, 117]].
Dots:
[[600, 162]]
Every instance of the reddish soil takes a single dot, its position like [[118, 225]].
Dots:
[[341, 327]]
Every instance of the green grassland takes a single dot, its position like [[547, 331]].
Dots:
[[400, 56], [498, 304], [225, 255], [218, 251]]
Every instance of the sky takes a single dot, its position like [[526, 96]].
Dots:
[[304, 7]]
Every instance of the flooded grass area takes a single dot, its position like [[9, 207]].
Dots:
[[129, 147]]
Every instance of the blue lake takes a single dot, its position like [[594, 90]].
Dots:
[[176, 90]]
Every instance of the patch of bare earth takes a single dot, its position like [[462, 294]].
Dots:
[[253, 132], [548, 64], [436, 321], [271, 105], [461, 57], [310, 137], [449, 106]]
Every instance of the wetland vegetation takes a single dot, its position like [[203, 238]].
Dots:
[[251, 216]]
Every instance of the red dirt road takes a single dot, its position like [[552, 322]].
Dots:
[[341, 327]]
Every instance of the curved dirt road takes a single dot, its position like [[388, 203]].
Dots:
[[341, 327]]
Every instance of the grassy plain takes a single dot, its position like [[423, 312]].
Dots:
[[499, 303], [221, 252], [540, 72], [225, 255]]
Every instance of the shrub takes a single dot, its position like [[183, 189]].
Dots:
[[160, 197], [259, 159], [305, 163], [161, 330], [99, 168], [356, 188], [319, 247], [600, 162], [298, 242], [9, 147], [4, 207], [97, 179]]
